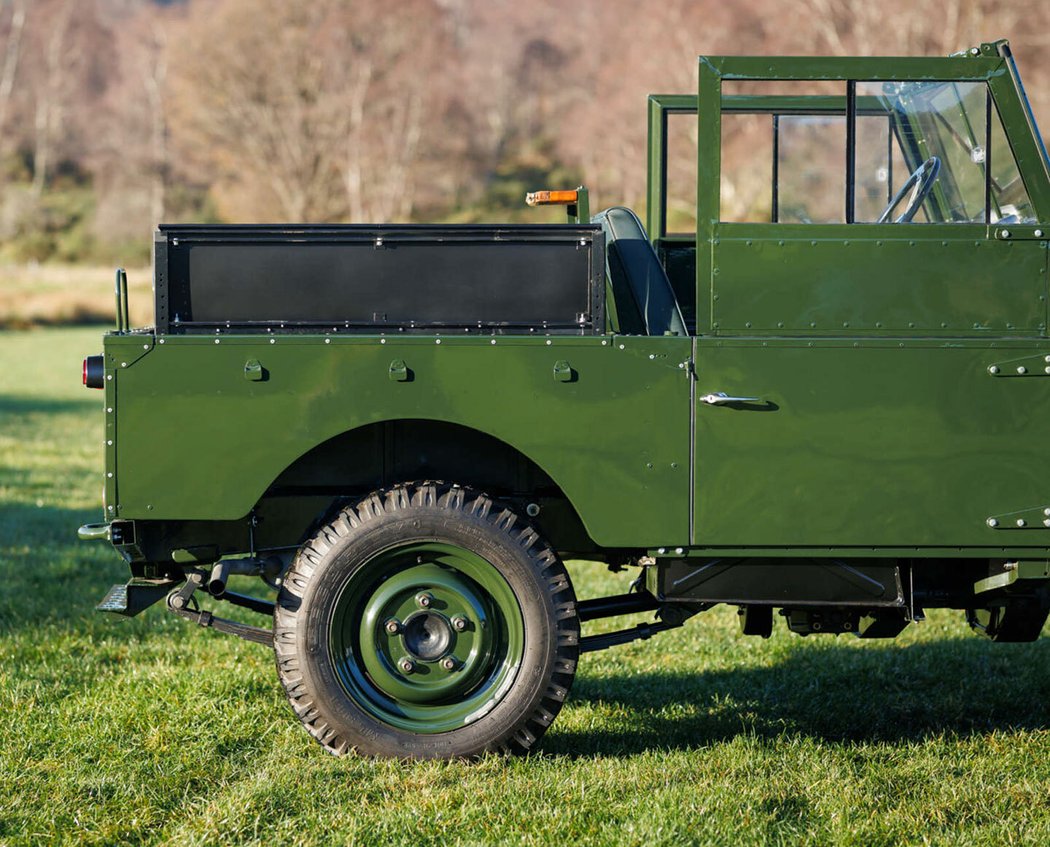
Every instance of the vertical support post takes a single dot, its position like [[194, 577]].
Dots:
[[708, 189], [656, 204], [851, 150], [121, 293]]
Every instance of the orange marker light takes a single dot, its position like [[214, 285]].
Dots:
[[551, 198]]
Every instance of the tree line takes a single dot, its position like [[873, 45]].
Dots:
[[118, 114]]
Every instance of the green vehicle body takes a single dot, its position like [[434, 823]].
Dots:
[[886, 453]]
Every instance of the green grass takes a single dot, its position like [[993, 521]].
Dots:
[[150, 730]]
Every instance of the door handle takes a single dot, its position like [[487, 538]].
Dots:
[[721, 399]]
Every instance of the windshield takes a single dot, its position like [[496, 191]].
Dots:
[[955, 123]]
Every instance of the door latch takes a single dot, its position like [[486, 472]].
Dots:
[[722, 399]]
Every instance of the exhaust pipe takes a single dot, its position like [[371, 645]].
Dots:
[[221, 572], [220, 575]]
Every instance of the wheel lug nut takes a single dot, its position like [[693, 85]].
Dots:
[[448, 663], [459, 623], [424, 600], [406, 665], [393, 626]]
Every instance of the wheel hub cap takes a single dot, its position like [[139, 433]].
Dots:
[[427, 636]]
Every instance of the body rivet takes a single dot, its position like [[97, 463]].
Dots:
[[1021, 369], [661, 550], [1020, 522], [994, 369], [679, 550], [992, 522]]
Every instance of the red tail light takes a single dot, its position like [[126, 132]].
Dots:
[[95, 371]]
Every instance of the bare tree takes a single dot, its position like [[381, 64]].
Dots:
[[307, 112], [50, 95], [12, 52]]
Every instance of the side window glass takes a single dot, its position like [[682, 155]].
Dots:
[[944, 143], [935, 153], [880, 166], [1007, 195], [923, 152]]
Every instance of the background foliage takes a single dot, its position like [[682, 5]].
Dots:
[[118, 114]]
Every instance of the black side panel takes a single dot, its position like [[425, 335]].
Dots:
[[828, 582], [679, 261], [368, 278]]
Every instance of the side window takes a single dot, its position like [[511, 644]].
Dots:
[[880, 168], [1008, 199], [938, 140], [919, 152]]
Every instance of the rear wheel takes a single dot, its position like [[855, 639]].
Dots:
[[426, 622]]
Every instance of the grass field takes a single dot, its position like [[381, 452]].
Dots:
[[150, 731], [48, 295]]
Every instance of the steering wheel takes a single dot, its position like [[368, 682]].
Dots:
[[920, 183]]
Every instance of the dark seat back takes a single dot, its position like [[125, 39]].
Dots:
[[642, 294]]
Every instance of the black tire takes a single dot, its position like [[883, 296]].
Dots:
[[338, 659]]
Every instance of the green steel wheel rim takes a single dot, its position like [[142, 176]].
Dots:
[[427, 637]]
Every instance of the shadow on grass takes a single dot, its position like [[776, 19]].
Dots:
[[835, 692], [830, 690], [12, 404]]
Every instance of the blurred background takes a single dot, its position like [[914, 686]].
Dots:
[[119, 114]]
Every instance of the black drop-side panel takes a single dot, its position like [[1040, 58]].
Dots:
[[547, 278], [825, 582]]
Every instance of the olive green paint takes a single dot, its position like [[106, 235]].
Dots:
[[861, 279], [869, 444], [880, 427], [201, 442]]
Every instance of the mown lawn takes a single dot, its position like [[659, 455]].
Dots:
[[148, 730]]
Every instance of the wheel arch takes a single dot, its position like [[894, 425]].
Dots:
[[382, 453]]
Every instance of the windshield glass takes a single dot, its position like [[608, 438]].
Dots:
[[954, 123]]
